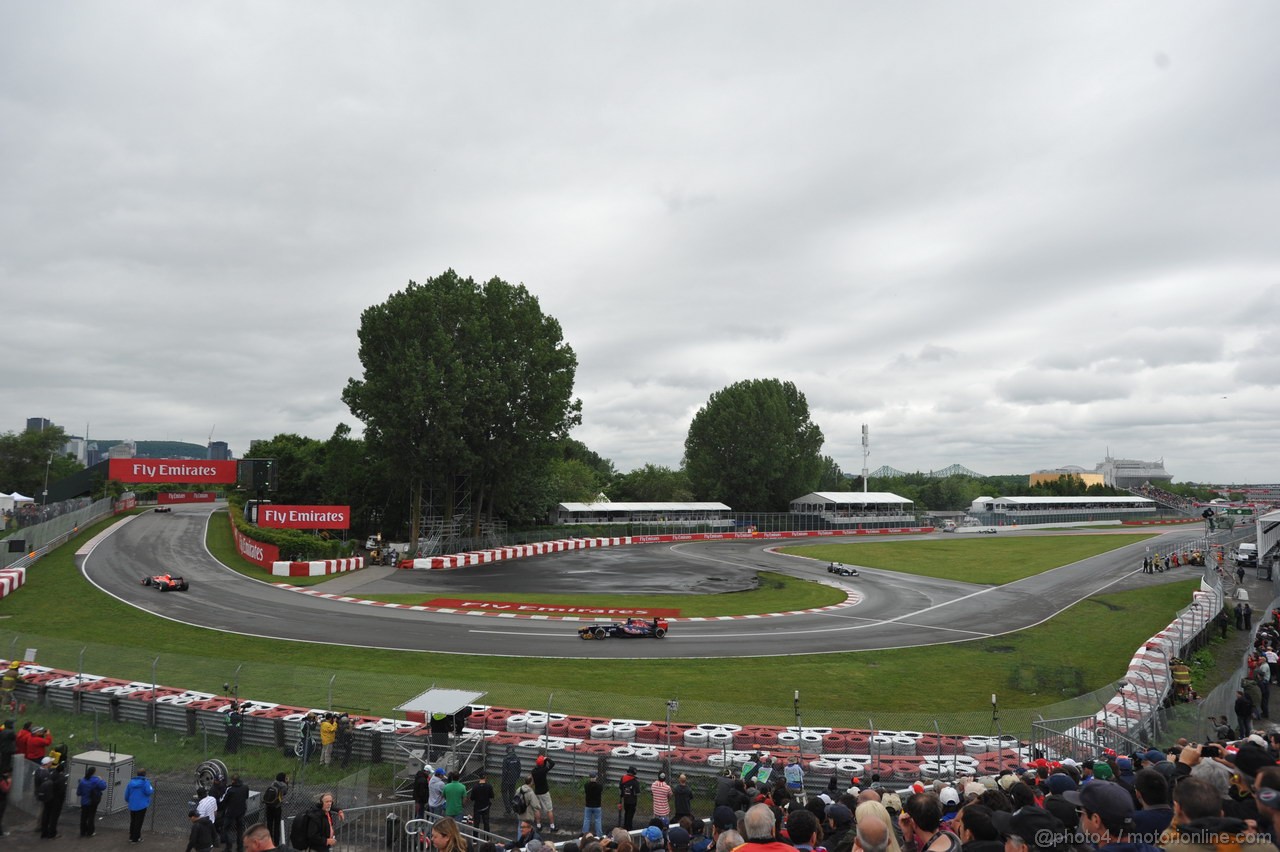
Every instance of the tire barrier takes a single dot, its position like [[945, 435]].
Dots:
[[610, 744]]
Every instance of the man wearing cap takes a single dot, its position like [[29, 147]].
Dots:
[[1056, 784], [1266, 788], [723, 819], [661, 792], [628, 796], [53, 795], [137, 795], [1106, 810], [793, 772], [761, 826], [510, 779], [678, 839], [724, 788], [652, 838], [202, 834], [949, 798], [839, 826], [1199, 826], [542, 790], [435, 792]]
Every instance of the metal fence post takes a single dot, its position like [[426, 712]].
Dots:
[[151, 705]]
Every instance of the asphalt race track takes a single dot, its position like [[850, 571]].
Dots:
[[896, 610]]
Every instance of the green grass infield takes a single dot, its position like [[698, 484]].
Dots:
[[981, 559]]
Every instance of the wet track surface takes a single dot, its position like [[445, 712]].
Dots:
[[896, 610]]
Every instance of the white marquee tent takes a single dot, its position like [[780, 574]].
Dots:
[[9, 501]]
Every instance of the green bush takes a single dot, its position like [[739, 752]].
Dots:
[[291, 542]]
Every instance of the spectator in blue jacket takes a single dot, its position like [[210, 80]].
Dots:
[[90, 790], [137, 795]]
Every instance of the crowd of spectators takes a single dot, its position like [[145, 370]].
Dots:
[[29, 514], [1222, 795], [1168, 498]]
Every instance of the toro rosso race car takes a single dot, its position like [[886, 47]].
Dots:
[[166, 583], [632, 628]]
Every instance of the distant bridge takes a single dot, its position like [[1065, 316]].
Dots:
[[886, 472]]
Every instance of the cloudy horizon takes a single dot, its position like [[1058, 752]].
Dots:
[[1007, 236]]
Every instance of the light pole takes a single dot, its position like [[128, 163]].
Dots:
[[44, 498]]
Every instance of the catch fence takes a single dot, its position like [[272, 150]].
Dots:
[[63, 521]]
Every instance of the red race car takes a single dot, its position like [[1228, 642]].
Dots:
[[632, 628], [166, 583]]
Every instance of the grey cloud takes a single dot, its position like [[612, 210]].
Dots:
[[957, 224], [1042, 387]]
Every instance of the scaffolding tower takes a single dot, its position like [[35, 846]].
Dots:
[[443, 742]]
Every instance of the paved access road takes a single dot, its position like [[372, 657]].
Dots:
[[896, 610]]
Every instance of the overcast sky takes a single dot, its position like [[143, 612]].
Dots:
[[1003, 234]]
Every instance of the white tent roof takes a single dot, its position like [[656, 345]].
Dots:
[[644, 507], [851, 498], [18, 498], [438, 700], [1079, 501]]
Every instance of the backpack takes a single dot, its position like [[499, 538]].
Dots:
[[271, 795], [299, 830], [518, 803]]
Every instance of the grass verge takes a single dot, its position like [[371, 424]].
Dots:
[[990, 561], [68, 620]]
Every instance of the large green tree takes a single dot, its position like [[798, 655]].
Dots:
[[466, 387], [299, 467], [753, 447], [652, 483], [27, 458]]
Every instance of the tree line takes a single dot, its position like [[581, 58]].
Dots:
[[466, 399]]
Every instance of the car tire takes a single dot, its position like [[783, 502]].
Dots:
[[599, 633], [660, 632], [184, 587], [146, 581]]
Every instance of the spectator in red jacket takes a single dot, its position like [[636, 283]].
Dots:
[[37, 742]]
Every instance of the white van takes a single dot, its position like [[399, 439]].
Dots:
[[1247, 554]]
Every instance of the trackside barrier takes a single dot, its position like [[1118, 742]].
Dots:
[[484, 557], [44, 537], [319, 568], [1132, 715], [11, 579]]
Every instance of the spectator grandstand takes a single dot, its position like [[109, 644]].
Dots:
[[1006, 511]]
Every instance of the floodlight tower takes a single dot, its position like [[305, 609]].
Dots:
[[866, 451]]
